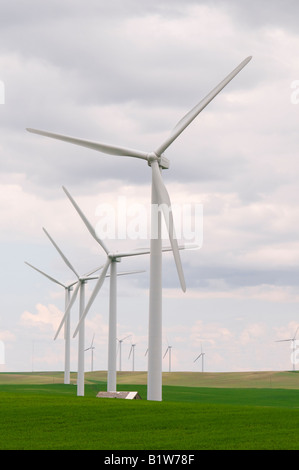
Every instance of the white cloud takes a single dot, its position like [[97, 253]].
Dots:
[[45, 317], [7, 336], [252, 332]]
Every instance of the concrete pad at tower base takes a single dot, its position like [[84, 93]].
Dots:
[[125, 395]]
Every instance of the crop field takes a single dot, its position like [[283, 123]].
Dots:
[[235, 411]]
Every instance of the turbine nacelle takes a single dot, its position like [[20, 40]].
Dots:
[[164, 162], [114, 257]]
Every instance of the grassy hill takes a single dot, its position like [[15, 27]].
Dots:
[[267, 379]]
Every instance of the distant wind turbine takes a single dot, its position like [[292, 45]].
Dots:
[[91, 348], [202, 354], [132, 351], [120, 341], [293, 341], [68, 288], [157, 161], [82, 280], [168, 350]]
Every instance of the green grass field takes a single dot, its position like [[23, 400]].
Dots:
[[249, 411]]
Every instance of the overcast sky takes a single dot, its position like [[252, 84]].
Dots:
[[125, 72]]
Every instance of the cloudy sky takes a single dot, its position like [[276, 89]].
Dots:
[[125, 72]]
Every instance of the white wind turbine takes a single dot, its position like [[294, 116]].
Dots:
[[202, 354], [81, 281], [91, 348], [120, 341], [160, 197], [168, 350], [68, 288], [293, 341], [132, 351]]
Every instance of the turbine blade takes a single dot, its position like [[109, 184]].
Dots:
[[165, 352], [94, 294], [132, 253], [186, 246], [93, 271], [44, 274], [67, 311], [126, 273], [99, 146], [67, 262], [165, 203], [72, 284], [197, 357], [296, 333], [125, 338], [86, 221], [191, 115], [146, 251]]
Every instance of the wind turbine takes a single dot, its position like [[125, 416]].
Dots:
[[202, 359], [112, 259], [293, 340], [68, 288], [81, 281], [168, 350], [91, 348], [120, 341], [132, 351], [160, 197]]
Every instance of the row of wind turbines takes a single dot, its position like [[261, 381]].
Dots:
[[159, 196], [168, 352], [132, 353]]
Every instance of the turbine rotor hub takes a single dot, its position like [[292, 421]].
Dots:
[[114, 257], [163, 161]]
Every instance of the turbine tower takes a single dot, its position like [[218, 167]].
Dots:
[[160, 197]]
